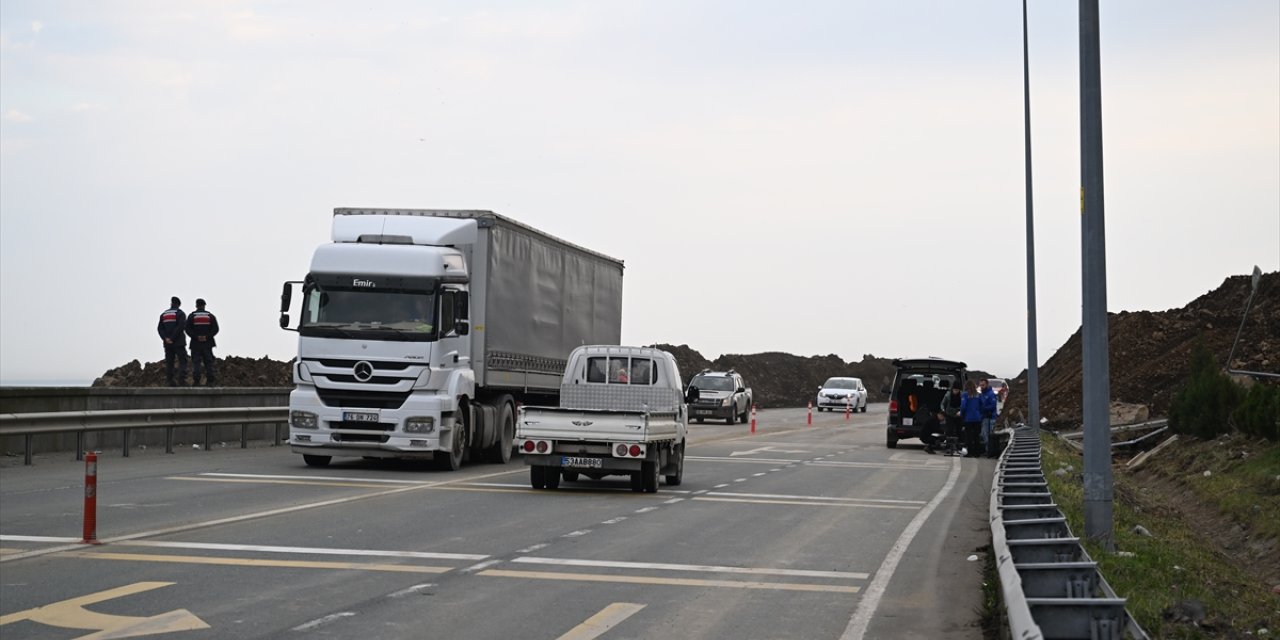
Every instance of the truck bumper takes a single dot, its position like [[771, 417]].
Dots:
[[386, 437]]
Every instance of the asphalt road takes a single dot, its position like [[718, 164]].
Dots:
[[794, 531]]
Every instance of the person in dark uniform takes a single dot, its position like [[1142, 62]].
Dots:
[[202, 326], [171, 325]]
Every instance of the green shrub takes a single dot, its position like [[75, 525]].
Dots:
[[1204, 406], [1259, 412]]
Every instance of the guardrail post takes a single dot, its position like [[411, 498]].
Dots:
[[168, 439], [275, 431], [124, 438], [207, 442], [27, 449], [79, 446], [244, 436]]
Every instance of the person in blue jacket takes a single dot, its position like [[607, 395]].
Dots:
[[990, 405], [971, 413], [173, 323], [202, 326]]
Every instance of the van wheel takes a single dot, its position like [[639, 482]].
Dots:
[[674, 480], [891, 442], [571, 476], [316, 461]]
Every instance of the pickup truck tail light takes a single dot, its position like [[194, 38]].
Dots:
[[625, 450], [536, 446]]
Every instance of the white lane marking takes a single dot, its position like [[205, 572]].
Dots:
[[811, 445], [326, 551], [741, 460], [411, 590], [248, 516], [808, 503], [831, 464], [871, 599], [740, 480], [258, 476], [576, 534], [775, 470], [593, 488], [674, 500], [612, 521], [13, 538], [599, 624], [706, 568], [323, 621], [532, 548], [702, 491], [784, 496], [756, 475], [646, 510], [721, 486], [483, 565]]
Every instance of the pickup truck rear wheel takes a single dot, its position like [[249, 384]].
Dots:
[[637, 481], [552, 477], [537, 477], [674, 480], [316, 461], [649, 476]]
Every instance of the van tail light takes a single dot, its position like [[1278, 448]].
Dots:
[[893, 407]]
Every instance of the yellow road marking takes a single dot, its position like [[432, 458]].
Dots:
[[7, 550], [813, 503], [254, 562], [310, 483], [606, 619], [71, 614], [683, 582]]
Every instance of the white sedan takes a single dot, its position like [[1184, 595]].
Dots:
[[837, 393]]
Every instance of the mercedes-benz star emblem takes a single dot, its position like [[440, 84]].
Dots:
[[363, 371]]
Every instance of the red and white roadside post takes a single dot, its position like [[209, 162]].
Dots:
[[846, 409], [809, 418], [753, 418], [91, 498]]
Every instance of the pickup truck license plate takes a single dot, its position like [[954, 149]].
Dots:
[[703, 412], [585, 463], [359, 416]]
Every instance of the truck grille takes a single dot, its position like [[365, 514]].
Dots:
[[362, 399], [362, 426], [360, 437]]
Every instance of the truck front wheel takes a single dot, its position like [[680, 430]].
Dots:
[[316, 461], [451, 460]]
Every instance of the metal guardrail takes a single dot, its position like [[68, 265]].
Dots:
[[1051, 587], [81, 422]]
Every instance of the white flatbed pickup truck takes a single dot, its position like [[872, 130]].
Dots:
[[621, 412]]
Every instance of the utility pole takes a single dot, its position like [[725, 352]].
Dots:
[[1096, 374], [1033, 358]]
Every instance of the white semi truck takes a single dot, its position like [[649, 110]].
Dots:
[[422, 331]]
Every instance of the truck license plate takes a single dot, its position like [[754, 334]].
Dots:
[[359, 416], [585, 463], [704, 412]]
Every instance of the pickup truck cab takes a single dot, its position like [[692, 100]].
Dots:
[[722, 395], [621, 413]]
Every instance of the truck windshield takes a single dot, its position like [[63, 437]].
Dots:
[[371, 314]]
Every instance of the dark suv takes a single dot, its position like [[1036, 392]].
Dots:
[[916, 394], [721, 395]]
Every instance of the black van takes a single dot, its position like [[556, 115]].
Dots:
[[917, 391]]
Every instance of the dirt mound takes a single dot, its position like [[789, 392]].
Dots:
[[1150, 352], [233, 371]]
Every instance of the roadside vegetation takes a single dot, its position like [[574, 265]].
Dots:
[[1196, 526]]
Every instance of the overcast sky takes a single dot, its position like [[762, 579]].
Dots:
[[815, 178]]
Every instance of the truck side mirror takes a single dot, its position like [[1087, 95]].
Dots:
[[286, 296], [462, 327], [742, 389], [284, 321]]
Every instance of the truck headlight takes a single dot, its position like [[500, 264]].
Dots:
[[302, 420], [726, 402], [420, 424]]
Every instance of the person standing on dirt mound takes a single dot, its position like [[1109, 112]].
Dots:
[[171, 325], [202, 326]]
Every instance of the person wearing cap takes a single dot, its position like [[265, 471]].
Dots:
[[202, 326], [170, 327]]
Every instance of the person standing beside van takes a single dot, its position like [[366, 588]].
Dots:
[[971, 413], [990, 404]]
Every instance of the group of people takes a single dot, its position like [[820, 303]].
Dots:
[[966, 419], [175, 327]]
